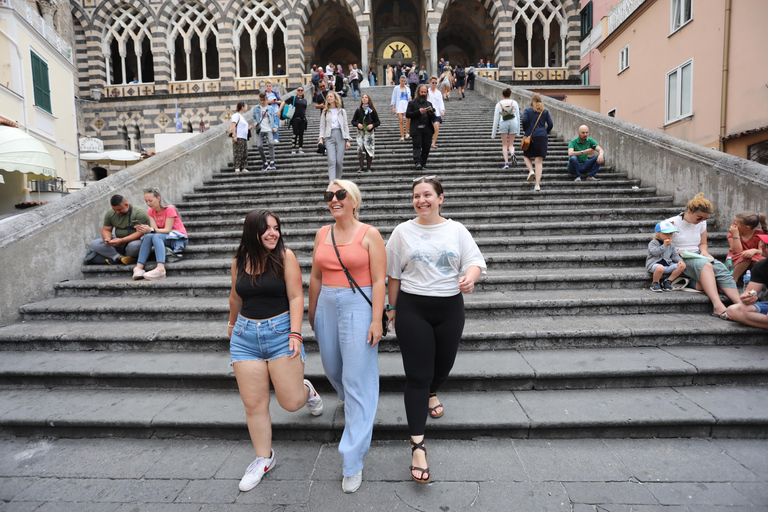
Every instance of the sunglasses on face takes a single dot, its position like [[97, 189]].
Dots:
[[425, 178], [340, 194]]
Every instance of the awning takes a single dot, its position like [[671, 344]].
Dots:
[[23, 153], [111, 157]]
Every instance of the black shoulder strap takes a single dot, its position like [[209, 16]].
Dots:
[[353, 284]]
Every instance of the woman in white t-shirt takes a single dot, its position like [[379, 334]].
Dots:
[[506, 121], [425, 259], [708, 274], [240, 138]]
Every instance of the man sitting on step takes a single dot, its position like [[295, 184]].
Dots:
[[124, 246], [585, 155], [750, 311]]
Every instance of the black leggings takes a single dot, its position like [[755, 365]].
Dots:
[[428, 331], [298, 133]]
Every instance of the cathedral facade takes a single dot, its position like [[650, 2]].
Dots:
[[151, 60]]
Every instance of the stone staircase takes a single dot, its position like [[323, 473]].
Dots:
[[563, 337]]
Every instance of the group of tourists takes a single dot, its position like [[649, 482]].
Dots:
[[428, 263]]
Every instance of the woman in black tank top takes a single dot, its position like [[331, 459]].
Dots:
[[266, 309]]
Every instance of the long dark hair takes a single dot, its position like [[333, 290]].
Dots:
[[370, 102], [252, 252]]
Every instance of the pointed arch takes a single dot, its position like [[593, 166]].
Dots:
[[255, 20], [127, 47], [193, 42]]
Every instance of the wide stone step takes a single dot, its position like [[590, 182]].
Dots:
[[473, 370], [669, 411], [196, 335], [481, 305]]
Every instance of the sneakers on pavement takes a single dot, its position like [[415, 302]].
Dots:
[[592, 178], [245, 170], [537, 188], [514, 160], [293, 151], [138, 273], [127, 260], [300, 152], [314, 402], [265, 166], [272, 166], [578, 178], [350, 484], [506, 166], [256, 470], [154, 275], [656, 287], [531, 175]]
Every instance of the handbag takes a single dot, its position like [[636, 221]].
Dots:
[[288, 110], [525, 142], [353, 285]]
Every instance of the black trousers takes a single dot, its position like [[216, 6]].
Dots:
[[428, 331], [422, 142], [413, 87], [298, 126]]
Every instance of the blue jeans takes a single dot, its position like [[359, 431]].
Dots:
[[342, 320], [156, 240], [114, 253], [577, 169]]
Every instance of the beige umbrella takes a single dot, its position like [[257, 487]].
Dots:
[[23, 153]]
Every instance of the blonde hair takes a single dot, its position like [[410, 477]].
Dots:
[[353, 192], [336, 100], [699, 204], [751, 220], [536, 103]]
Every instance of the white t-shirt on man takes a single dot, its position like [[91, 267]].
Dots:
[[428, 260]]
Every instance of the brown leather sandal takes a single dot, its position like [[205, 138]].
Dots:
[[432, 410], [424, 471]]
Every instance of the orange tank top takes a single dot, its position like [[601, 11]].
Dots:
[[354, 256]]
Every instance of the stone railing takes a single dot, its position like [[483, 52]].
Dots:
[[257, 82], [538, 74], [621, 12], [194, 86], [40, 26], [674, 166], [129, 90], [491, 73], [59, 233]]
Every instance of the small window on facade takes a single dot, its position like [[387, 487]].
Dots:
[[612, 112], [758, 152], [680, 92], [586, 21], [40, 83], [681, 14], [623, 58], [585, 76]]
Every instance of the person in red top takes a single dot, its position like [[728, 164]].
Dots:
[[165, 229], [744, 244]]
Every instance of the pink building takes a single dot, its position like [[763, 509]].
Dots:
[[590, 14], [693, 69]]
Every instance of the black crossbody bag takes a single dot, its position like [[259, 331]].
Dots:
[[353, 285]]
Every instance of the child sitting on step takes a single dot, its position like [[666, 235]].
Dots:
[[663, 258]]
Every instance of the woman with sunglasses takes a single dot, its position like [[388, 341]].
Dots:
[[165, 229], [298, 122], [708, 274], [426, 258], [346, 327], [266, 308], [334, 133]]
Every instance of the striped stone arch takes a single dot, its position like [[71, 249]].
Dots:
[[168, 10], [82, 27], [105, 9], [305, 8]]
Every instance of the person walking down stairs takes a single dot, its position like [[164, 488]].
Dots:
[[366, 120]]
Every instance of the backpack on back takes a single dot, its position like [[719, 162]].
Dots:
[[507, 111], [460, 73]]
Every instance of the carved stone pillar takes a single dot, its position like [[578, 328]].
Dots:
[[433, 28], [364, 32]]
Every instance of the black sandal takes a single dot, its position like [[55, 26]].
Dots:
[[432, 410], [424, 471]]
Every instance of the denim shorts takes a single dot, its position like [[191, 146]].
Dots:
[[667, 269], [762, 307], [261, 340], [509, 126]]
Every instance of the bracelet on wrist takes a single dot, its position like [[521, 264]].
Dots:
[[736, 238], [230, 325]]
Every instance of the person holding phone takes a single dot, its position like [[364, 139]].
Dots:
[[585, 156], [421, 113], [163, 229]]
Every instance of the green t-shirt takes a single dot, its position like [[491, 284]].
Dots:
[[577, 145], [122, 223]]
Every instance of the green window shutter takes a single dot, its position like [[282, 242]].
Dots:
[[40, 83]]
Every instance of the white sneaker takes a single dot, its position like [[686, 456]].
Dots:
[[155, 274], [256, 470], [578, 179], [314, 402], [350, 484], [237, 170], [138, 273], [531, 175], [536, 188], [245, 170]]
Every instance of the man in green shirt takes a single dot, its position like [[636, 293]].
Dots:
[[585, 155], [124, 245]]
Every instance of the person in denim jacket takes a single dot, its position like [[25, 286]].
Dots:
[[266, 118]]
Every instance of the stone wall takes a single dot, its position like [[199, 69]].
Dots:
[[47, 245], [674, 166]]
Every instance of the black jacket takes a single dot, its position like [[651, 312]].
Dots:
[[359, 117], [417, 118]]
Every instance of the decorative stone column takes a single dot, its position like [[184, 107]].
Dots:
[[433, 28], [364, 32]]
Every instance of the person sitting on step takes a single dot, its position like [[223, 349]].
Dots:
[[163, 229], [749, 310], [585, 155], [663, 258], [123, 246], [744, 249]]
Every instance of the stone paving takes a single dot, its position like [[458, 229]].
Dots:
[[581, 475]]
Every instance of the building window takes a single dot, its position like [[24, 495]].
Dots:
[[681, 14], [680, 92], [586, 21], [612, 112], [194, 44], [539, 31], [259, 39], [40, 83], [128, 48], [623, 58], [585, 76], [758, 152]]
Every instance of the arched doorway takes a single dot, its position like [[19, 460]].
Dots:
[[466, 34], [391, 52], [396, 34], [331, 35]]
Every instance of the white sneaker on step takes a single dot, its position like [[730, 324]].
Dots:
[[314, 402], [256, 471], [350, 484]]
